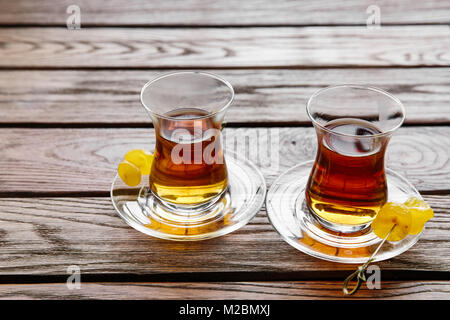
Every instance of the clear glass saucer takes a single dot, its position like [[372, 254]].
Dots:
[[290, 216], [234, 208]]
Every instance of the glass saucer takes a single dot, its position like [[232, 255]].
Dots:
[[143, 211], [290, 216]]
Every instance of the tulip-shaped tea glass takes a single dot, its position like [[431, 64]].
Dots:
[[194, 191], [325, 207], [347, 185], [187, 110]]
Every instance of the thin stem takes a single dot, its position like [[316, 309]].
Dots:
[[360, 272]]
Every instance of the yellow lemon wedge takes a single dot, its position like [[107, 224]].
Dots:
[[392, 214], [420, 211], [129, 173], [408, 218], [141, 159]]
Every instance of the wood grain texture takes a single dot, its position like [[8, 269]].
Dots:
[[225, 47], [43, 236], [262, 96], [282, 290], [85, 160], [230, 12]]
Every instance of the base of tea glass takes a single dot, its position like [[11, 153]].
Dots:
[[229, 211], [290, 216], [337, 227]]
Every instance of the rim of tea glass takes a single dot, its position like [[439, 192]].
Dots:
[[371, 88], [170, 74]]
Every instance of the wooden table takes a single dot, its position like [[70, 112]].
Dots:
[[69, 110]]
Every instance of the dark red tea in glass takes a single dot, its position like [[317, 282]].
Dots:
[[347, 185]]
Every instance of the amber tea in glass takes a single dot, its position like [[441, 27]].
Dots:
[[189, 166], [187, 110], [347, 184]]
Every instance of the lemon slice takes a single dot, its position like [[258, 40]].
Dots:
[[421, 212], [141, 159], [129, 173], [392, 214]]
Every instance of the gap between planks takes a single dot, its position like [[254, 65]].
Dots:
[[212, 67], [322, 275], [147, 125], [231, 290], [209, 26]]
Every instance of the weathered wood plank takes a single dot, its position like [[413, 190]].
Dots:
[[225, 47], [282, 290], [43, 236], [230, 12], [74, 160], [262, 96]]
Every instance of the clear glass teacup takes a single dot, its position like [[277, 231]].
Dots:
[[347, 185], [195, 190], [187, 110]]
